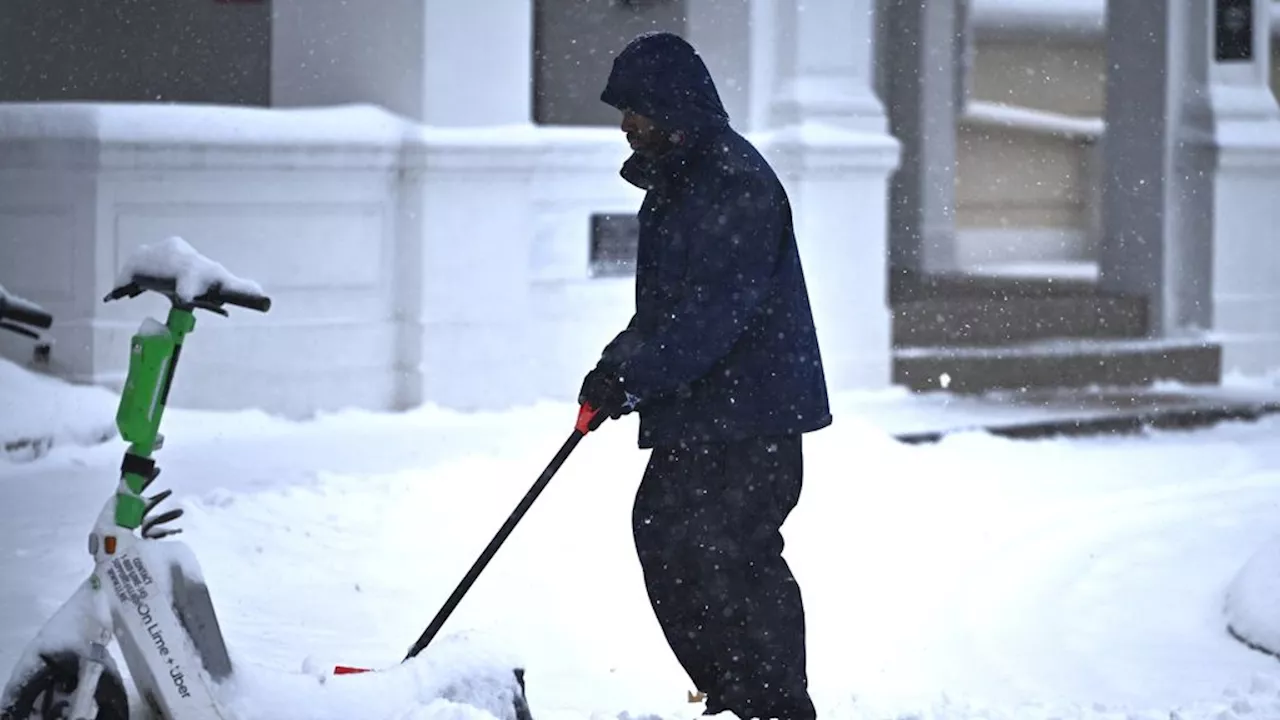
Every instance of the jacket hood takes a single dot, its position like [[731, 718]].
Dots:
[[660, 75]]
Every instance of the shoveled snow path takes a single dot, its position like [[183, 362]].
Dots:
[[1002, 574]]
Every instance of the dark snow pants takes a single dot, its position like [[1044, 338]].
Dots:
[[707, 522]]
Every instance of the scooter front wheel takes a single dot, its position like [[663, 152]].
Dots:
[[46, 694]]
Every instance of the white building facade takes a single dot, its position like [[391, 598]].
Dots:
[[417, 188]]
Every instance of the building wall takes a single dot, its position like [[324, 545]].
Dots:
[[1010, 180], [135, 50], [574, 45], [1026, 190], [444, 261], [1018, 178], [373, 246], [326, 52], [305, 203], [1026, 185], [1067, 76], [1025, 181]]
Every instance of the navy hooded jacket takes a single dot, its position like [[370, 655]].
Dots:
[[722, 345]]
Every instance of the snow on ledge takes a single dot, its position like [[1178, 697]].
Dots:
[[186, 123], [1252, 604], [991, 114], [820, 146], [194, 123], [1057, 17]]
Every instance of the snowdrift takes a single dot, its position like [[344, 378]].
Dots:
[[38, 413], [1253, 600]]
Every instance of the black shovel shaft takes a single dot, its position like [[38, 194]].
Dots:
[[585, 424]]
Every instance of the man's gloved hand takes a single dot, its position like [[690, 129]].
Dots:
[[603, 390]]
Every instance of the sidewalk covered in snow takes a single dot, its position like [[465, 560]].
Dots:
[[973, 577]]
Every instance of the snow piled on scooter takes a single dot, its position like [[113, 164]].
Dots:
[[67, 628], [460, 676], [193, 272]]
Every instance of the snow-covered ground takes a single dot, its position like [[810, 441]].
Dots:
[[975, 578]]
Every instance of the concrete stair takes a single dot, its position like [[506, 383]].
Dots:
[[967, 334], [1031, 415], [988, 322], [1073, 363]]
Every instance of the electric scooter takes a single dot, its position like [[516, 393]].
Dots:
[[146, 591], [147, 595]]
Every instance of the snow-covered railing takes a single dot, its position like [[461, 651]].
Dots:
[[154, 124], [405, 262], [306, 200], [1032, 120], [170, 135]]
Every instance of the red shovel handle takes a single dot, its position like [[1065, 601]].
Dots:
[[586, 419]]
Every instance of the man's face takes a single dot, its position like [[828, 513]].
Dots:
[[642, 135]]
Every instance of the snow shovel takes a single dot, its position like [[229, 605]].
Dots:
[[588, 420]]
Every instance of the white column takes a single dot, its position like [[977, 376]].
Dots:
[[479, 63], [1246, 189], [829, 142], [824, 61], [717, 30], [441, 62], [468, 217], [1157, 158], [1192, 173], [466, 224], [334, 52], [922, 43]]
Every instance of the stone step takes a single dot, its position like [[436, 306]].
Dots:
[[1123, 423], [1075, 363], [986, 321], [1032, 415]]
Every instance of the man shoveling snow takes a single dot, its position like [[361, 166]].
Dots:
[[721, 362]]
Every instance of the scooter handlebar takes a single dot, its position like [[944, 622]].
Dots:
[[24, 313], [215, 296]]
